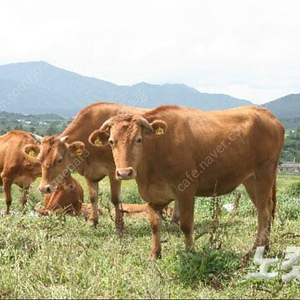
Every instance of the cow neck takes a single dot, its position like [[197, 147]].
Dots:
[[145, 167]]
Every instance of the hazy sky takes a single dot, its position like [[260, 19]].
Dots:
[[248, 49]]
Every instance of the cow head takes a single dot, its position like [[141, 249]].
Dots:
[[126, 135], [55, 156]]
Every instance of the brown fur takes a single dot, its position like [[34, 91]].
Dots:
[[15, 166], [63, 200], [140, 210], [94, 163], [199, 154]]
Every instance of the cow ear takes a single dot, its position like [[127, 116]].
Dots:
[[159, 128], [31, 150], [76, 148], [99, 138]]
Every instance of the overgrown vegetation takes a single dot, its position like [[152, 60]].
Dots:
[[291, 148], [291, 123], [60, 257], [46, 124]]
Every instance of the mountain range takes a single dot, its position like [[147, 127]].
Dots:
[[39, 88]]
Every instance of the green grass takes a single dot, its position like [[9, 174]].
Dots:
[[64, 257]]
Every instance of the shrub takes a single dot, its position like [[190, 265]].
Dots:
[[294, 189]]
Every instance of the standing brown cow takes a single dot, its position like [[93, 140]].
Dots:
[[177, 153], [71, 150], [15, 165]]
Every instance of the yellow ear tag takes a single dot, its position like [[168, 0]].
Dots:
[[98, 142], [159, 131], [31, 153], [79, 151]]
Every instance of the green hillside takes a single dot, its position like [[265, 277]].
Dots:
[[287, 107], [46, 124]]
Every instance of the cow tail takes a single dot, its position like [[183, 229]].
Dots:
[[274, 201]]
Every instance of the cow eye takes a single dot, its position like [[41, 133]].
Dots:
[[139, 140], [111, 142], [59, 160]]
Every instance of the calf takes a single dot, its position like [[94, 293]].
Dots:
[[141, 210], [67, 198]]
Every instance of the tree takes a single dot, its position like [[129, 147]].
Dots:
[[52, 129]]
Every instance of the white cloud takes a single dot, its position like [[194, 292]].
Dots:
[[248, 49]]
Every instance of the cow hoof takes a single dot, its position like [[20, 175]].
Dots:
[[93, 223], [154, 256], [175, 221], [247, 257], [120, 226]]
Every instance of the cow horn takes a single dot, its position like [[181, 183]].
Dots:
[[106, 125], [146, 124], [63, 139], [38, 138]]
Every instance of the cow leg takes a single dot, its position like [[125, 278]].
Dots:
[[93, 190], [154, 216], [263, 196], [7, 191], [186, 211], [47, 198], [175, 215], [24, 198], [115, 191], [77, 206]]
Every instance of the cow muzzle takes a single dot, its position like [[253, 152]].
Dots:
[[125, 173], [46, 189]]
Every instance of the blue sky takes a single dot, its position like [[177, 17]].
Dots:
[[248, 49]]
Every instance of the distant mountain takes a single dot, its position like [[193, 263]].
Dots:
[[285, 107], [150, 95], [38, 87]]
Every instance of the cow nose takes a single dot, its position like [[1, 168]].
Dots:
[[45, 189], [125, 173]]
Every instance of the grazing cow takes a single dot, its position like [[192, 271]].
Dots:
[[177, 153], [17, 167], [67, 198], [71, 150]]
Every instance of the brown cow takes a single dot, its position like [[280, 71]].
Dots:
[[140, 210], [67, 198], [177, 153], [15, 166], [71, 150]]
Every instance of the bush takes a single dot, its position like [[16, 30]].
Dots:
[[294, 189]]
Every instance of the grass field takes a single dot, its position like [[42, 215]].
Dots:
[[64, 257]]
